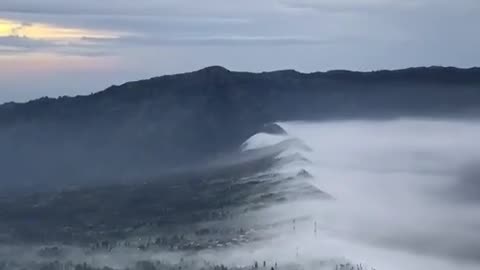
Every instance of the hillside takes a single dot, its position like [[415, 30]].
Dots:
[[140, 130]]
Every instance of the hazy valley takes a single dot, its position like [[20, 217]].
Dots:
[[218, 169]]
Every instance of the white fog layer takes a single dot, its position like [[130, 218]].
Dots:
[[405, 193], [387, 195]]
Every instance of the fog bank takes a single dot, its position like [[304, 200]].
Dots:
[[405, 192]]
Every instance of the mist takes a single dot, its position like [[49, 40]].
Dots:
[[405, 194], [384, 194]]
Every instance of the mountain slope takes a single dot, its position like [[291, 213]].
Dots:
[[142, 129]]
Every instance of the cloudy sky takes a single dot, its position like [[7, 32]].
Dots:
[[58, 47]]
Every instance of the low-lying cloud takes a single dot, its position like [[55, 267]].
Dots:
[[396, 186]]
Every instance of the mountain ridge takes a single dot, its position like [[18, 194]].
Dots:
[[141, 129], [472, 71]]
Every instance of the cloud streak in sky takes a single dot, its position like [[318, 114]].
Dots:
[[254, 35]]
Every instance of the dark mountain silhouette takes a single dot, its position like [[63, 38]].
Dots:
[[143, 129]]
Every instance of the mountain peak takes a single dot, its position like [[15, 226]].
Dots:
[[214, 69]]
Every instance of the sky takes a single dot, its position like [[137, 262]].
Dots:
[[57, 47]]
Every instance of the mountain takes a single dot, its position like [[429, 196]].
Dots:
[[142, 130]]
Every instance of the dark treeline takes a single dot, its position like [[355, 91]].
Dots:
[[182, 265]]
